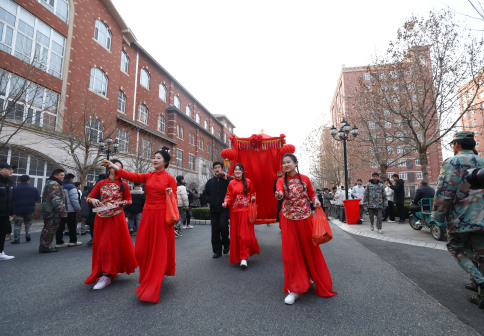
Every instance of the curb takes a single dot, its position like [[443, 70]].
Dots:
[[437, 245]]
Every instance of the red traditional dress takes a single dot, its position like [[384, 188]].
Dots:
[[155, 242], [301, 259], [112, 248], [243, 242]]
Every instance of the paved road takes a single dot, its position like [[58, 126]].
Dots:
[[44, 294]]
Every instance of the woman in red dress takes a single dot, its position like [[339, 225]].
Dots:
[[155, 242], [112, 248], [302, 261], [243, 242]]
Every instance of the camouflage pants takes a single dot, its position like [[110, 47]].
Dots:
[[378, 212], [25, 219], [468, 249], [183, 217], [50, 227]]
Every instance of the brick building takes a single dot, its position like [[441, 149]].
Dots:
[[407, 165], [473, 119], [93, 79]]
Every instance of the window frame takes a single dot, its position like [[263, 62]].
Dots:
[[124, 61], [107, 34], [94, 79], [121, 101], [144, 75], [145, 113]]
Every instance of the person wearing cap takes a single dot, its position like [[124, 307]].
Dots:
[[6, 208], [24, 198], [462, 208]]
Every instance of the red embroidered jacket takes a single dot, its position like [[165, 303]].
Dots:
[[296, 205], [110, 193], [235, 197]]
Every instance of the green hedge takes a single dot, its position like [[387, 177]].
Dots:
[[201, 213]]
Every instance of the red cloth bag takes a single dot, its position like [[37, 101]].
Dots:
[[252, 212], [321, 230], [172, 214]]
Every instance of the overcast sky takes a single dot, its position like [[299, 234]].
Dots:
[[265, 64]]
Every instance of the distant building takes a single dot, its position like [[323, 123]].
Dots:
[[90, 70], [473, 119]]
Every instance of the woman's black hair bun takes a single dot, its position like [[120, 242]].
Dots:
[[165, 149]]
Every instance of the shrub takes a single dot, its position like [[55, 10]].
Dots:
[[201, 213]]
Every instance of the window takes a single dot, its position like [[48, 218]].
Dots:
[[58, 7], [102, 34], [144, 79], [162, 93], [477, 143], [417, 162], [390, 150], [190, 137], [191, 162], [386, 112], [402, 162], [382, 75], [371, 125], [373, 164], [34, 104], [98, 82], [197, 118], [205, 125], [389, 175], [200, 143], [30, 39], [474, 122], [415, 123], [121, 102], [225, 137], [181, 132], [188, 111], [402, 175], [123, 140], [161, 123], [142, 113], [220, 135], [366, 76], [94, 130], [124, 62], [393, 74], [177, 131], [177, 102], [212, 130], [472, 112], [179, 158], [209, 149], [414, 97], [419, 175], [388, 124], [145, 149]]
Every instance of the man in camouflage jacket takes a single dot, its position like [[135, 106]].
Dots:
[[53, 208], [463, 209], [375, 199]]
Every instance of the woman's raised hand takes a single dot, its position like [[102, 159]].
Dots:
[[109, 165]]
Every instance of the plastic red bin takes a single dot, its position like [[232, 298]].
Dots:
[[352, 210]]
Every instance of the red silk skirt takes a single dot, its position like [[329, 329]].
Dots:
[[243, 242]]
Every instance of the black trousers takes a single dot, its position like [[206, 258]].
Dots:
[[413, 209], [71, 221], [401, 211], [91, 218], [5, 228], [220, 230], [389, 213]]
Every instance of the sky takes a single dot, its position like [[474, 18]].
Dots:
[[269, 65]]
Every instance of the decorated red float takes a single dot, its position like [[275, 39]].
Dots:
[[261, 155]]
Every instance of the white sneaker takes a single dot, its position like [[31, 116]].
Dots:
[[77, 243], [62, 245], [291, 298], [102, 282], [243, 264], [362, 219], [189, 227], [390, 221], [380, 231], [3, 256], [184, 227], [417, 223]]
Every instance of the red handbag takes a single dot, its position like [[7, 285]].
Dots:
[[172, 214], [252, 212], [321, 229]]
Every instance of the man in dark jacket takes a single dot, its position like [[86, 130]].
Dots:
[[73, 207], [133, 211], [6, 208], [214, 193], [424, 191], [24, 198], [399, 196]]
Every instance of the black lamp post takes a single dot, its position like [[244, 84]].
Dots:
[[111, 147], [344, 135]]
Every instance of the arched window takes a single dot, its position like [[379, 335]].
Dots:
[[98, 82], [188, 111], [205, 125], [161, 123], [124, 62], [212, 130], [177, 131], [94, 130], [181, 132], [144, 78], [190, 137], [102, 34], [177, 102], [58, 7], [121, 102], [197, 118], [142, 113], [162, 92]]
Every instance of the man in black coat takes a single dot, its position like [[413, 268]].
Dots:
[[24, 198], [214, 193], [6, 207], [399, 196], [134, 210], [424, 191]]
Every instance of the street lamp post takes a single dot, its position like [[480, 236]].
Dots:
[[344, 135], [111, 147]]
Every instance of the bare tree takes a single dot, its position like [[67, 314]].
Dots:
[[416, 86]]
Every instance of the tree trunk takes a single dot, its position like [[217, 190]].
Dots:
[[424, 163]]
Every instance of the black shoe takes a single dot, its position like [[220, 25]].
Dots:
[[226, 250], [89, 243], [27, 238], [217, 255], [472, 286], [15, 241], [49, 249]]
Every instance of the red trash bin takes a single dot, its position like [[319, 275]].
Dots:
[[352, 210]]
